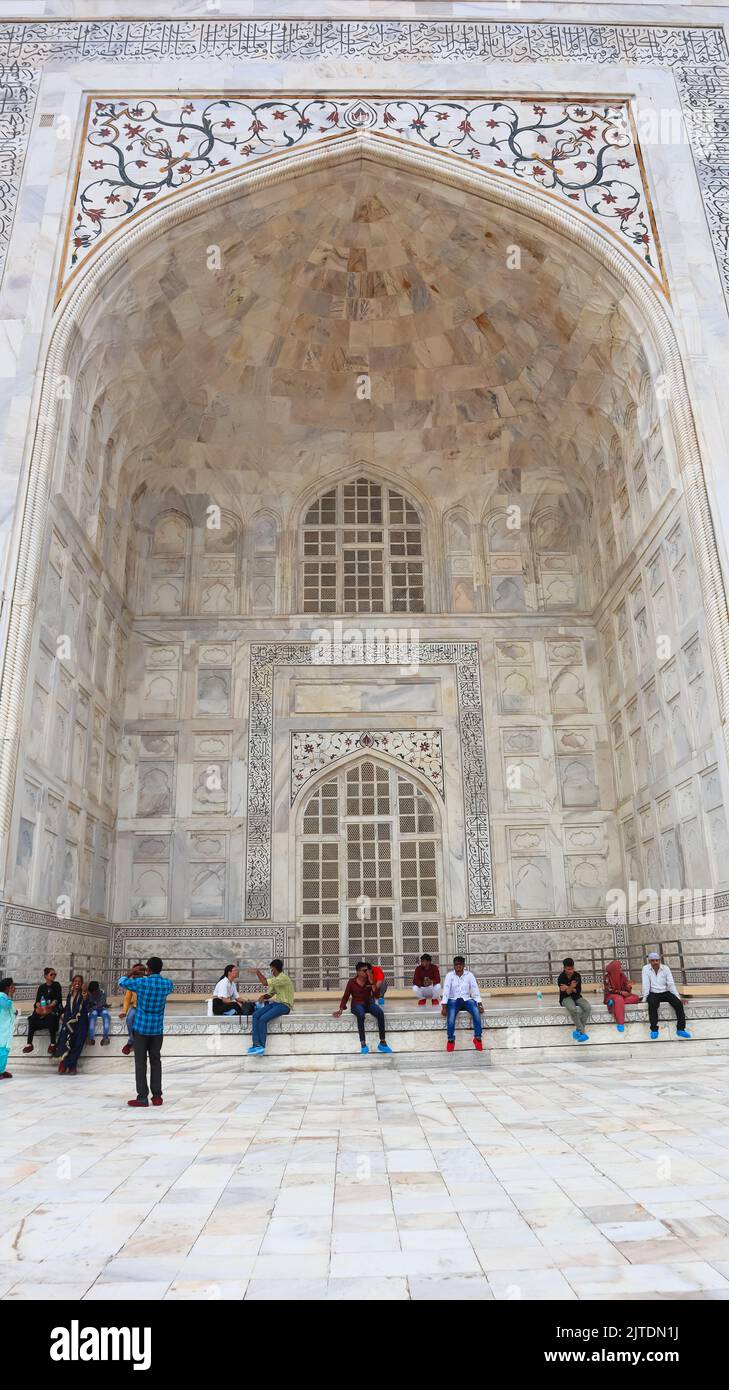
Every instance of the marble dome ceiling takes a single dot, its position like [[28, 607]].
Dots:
[[234, 343]]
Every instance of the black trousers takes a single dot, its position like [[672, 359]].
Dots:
[[148, 1045], [36, 1023], [359, 1011], [653, 1002]]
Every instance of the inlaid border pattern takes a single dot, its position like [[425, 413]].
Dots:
[[312, 751], [696, 55], [138, 152], [223, 931], [463, 656]]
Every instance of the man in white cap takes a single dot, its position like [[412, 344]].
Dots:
[[659, 987]]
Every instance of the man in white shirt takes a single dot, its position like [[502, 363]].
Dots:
[[461, 991], [659, 987]]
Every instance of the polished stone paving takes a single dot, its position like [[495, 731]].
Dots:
[[597, 1179]]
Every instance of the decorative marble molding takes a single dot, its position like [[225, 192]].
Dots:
[[301, 1025], [421, 749], [130, 931], [463, 656], [696, 54], [465, 931], [11, 914], [140, 151]]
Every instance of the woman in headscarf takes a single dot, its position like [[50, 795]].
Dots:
[[74, 1027], [618, 992]]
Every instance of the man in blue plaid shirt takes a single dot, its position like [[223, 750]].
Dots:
[[149, 1021]]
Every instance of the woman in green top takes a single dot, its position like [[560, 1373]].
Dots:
[[278, 1000]]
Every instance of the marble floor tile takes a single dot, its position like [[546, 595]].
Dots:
[[367, 1289], [299, 1235], [147, 1291], [530, 1284], [307, 1290], [374, 1187], [454, 1288], [200, 1291], [36, 1293]]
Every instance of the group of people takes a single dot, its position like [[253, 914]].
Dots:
[[72, 1024], [69, 1024], [657, 987]]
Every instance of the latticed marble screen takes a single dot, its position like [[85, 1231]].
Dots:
[[370, 877], [362, 552]]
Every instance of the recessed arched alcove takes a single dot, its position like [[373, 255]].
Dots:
[[345, 383]]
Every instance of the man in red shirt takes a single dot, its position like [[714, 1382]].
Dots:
[[376, 976], [426, 982], [361, 991]]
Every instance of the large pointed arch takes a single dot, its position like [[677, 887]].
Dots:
[[92, 293]]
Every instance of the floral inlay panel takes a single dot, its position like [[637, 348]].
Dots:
[[138, 152], [268, 657], [420, 749]]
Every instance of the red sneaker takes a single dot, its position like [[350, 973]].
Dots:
[[6, 1076], [61, 1068], [435, 1003], [450, 1047], [138, 1104], [51, 1050], [91, 1042], [29, 1048], [127, 1049], [157, 1100], [70, 1071], [478, 1044], [421, 1003]]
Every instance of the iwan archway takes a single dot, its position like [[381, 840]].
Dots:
[[336, 378]]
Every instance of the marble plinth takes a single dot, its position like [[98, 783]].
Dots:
[[319, 1042]]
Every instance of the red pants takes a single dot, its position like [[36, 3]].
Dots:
[[619, 1002]]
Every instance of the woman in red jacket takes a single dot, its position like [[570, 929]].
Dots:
[[618, 992]]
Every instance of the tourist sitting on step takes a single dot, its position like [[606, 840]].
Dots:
[[461, 991], [361, 990], [46, 1010], [129, 1007], [376, 976], [278, 1000], [74, 1027], [618, 992], [426, 982], [659, 987], [570, 997], [226, 1001], [98, 1005]]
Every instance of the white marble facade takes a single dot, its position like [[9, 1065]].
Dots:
[[334, 410]]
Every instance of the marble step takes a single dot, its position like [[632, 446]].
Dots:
[[317, 1040]]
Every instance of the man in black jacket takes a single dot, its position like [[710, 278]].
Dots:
[[46, 1009]]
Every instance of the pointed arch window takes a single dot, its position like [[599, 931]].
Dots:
[[362, 551], [370, 879]]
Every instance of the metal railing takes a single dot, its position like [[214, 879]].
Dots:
[[694, 960]]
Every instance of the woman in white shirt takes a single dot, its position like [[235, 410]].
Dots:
[[225, 995]]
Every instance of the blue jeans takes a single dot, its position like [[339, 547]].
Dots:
[[454, 1007], [359, 1011], [94, 1014], [130, 1019], [260, 1019]]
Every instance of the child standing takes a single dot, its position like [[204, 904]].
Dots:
[[7, 1023]]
